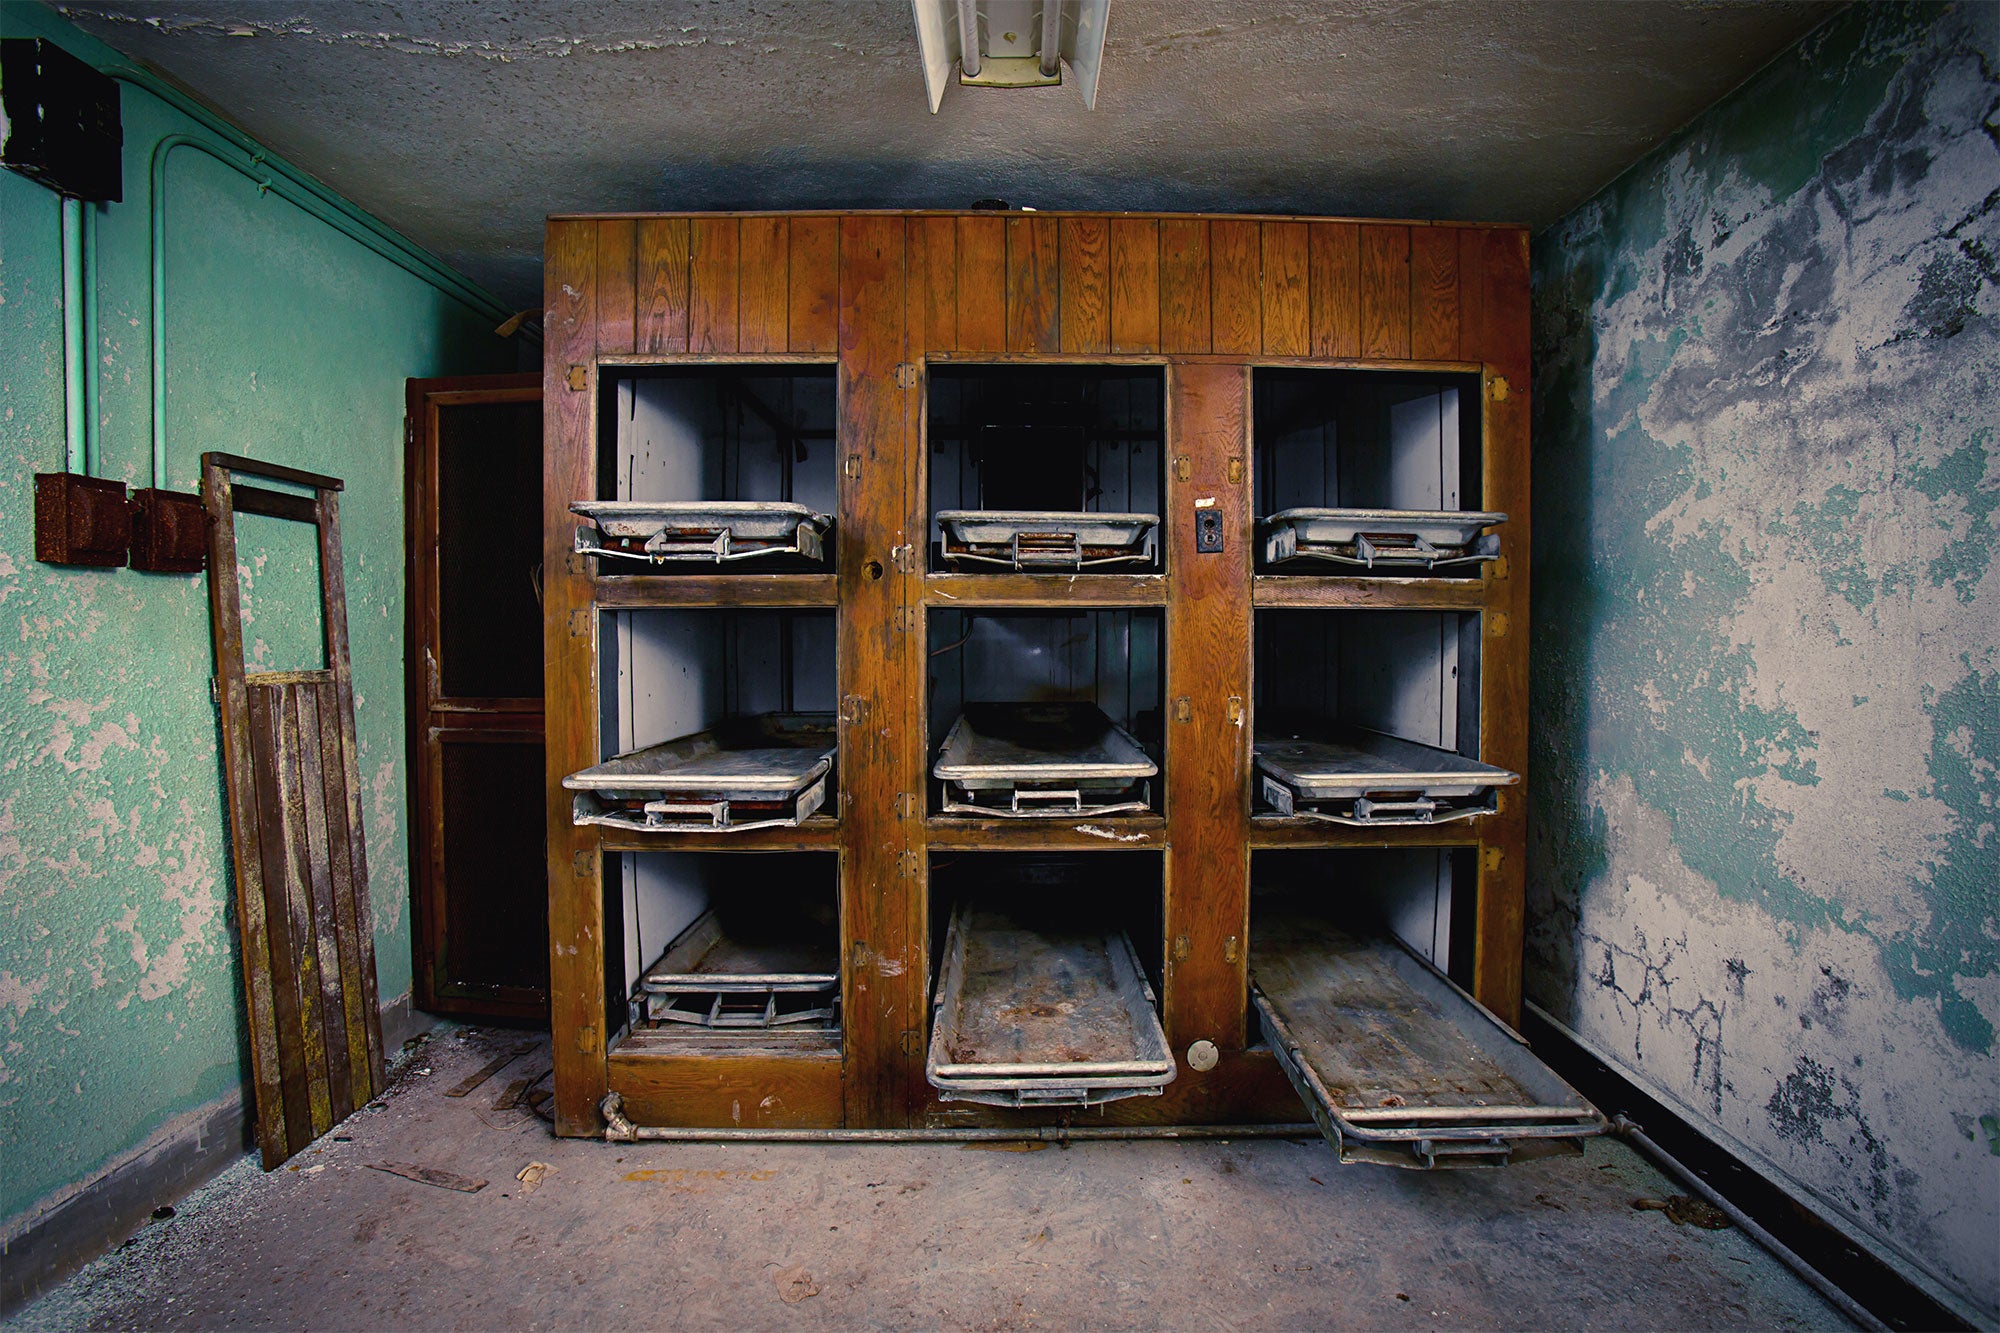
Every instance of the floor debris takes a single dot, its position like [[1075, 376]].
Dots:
[[1685, 1211], [532, 1175], [430, 1175], [794, 1284]]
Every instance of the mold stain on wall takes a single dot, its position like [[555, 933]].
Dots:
[[1766, 855], [119, 992]]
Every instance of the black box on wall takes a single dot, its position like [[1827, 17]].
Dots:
[[81, 520], [61, 120], [169, 532]]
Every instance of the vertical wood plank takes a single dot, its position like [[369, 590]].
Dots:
[[1287, 290], [712, 284], [293, 1129], [920, 305], [616, 277], [576, 894], [1385, 292], [878, 675], [1032, 284], [1135, 285], [763, 284], [982, 283], [815, 270], [298, 907], [1434, 293], [1208, 755], [941, 283], [662, 285], [1085, 284], [1336, 289], [325, 943], [1236, 255], [333, 598], [1184, 294], [348, 926]]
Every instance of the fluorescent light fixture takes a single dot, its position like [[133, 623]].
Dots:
[[1011, 43]]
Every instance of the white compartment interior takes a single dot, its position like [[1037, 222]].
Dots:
[[1406, 892], [668, 674], [663, 892], [1110, 417], [1109, 658], [722, 433], [1413, 674], [1362, 439]]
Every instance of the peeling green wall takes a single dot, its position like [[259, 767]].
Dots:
[[1765, 868], [285, 341]]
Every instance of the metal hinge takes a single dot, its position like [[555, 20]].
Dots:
[[1235, 472], [1183, 468], [1499, 624], [579, 864], [1235, 710], [853, 465], [854, 709], [215, 690], [907, 805], [909, 865], [1490, 859], [409, 431], [586, 1039], [906, 375], [1230, 948], [579, 622], [905, 557], [578, 378], [1499, 388], [913, 1042], [1183, 709], [908, 618]]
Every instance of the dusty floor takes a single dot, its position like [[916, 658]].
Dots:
[[1253, 1234]]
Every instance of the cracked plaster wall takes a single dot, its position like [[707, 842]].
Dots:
[[119, 987], [1765, 862]]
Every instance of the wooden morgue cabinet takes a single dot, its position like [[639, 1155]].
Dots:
[[1018, 669]]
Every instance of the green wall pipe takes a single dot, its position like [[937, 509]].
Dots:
[[74, 458]]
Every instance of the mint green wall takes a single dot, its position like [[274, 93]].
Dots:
[[1764, 874], [285, 341]]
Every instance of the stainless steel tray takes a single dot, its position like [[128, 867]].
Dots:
[[756, 772], [1027, 1017], [706, 531], [1382, 538], [1035, 539], [771, 973], [1367, 777], [1043, 760], [1396, 1063]]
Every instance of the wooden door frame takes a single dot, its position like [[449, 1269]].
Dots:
[[430, 719]]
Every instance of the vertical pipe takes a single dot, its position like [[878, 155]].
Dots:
[[968, 38], [92, 462], [1051, 37], [74, 458]]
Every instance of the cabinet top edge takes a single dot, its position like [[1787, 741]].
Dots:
[[1143, 216]]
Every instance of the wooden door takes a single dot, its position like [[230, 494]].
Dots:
[[473, 666]]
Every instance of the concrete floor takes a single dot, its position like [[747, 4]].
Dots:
[[1252, 1234]]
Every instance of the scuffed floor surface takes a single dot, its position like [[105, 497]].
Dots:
[[1255, 1234]]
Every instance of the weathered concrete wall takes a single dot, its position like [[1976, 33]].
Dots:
[[1766, 684], [286, 341]]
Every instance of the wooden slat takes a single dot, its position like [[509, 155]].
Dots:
[[271, 504], [763, 284], [1032, 284], [576, 902], [1287, 290], [1236, 253], [1336, 289], [1184, 294], [982, 283], [617, 286], [1385, 292], [941, 282], [325, 943], [1016, 590], [298, 906], [1135, 285], [1372, 593], [663, 1084], [662, 267], [878, 673], [1493, 297], [340, 869], [1434, 293], [1085, 284], [1208, 755], [291, 1112], [815, 270], [712, 286]]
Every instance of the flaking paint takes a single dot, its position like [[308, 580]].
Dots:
[[1764, 868], [119, 1005]]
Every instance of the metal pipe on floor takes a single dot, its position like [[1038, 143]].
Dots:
[[1840, 1300], [618, 1129]]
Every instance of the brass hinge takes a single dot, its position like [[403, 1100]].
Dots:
[[904, 557], [409, 431], [1499, 623], [579, 378], [1499, 388], [1183, 709], [906, 805], [586, 1039], [1181, 948], [1498, 567], [1235, 472], [854, 709], [913, 1042], [909, 865], [906, 375], [908, 618], [1490, 859], [579, 622], [1183, 468], [579, 864], [1235, 710]]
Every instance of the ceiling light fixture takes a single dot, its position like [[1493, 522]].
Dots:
[[1011, 43]]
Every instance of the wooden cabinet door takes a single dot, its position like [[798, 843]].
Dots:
[[473, 665]]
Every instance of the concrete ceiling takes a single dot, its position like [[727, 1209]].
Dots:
[[463, 122]]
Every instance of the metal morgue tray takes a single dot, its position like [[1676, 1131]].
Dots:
[[703, 531], [1393, 539], [755, 772], [1358, 776], [1396, 1063], [773, 971], [1027, 1017], [1028, 540], [1041, 760]]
